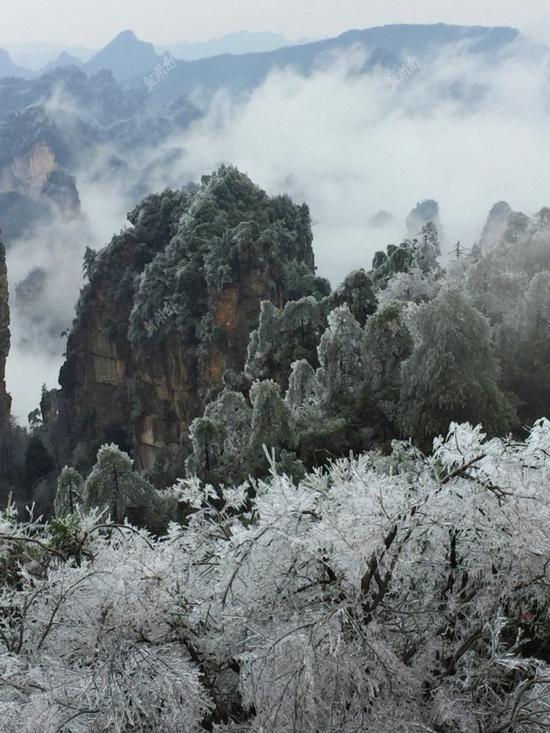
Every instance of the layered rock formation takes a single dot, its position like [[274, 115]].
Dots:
[[169, 308], [30, 172], [5, 400]]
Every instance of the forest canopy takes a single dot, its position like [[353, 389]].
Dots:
[[390, 592], [260, 504]]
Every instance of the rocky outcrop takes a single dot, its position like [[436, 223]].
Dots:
[[29, 173], [495, 226], [169, 308], [5, 400], [423, 213], [60, 188]]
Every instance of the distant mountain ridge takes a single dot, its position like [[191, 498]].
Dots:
[[241, 60], [130, 97], [385, 44], [234, 43], [37, 55], [420, 38], [125, 57], [64, 59], [9, 68]]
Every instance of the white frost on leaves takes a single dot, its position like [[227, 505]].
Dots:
[[388, 593]]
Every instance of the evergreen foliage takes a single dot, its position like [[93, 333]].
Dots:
[[221, 439], [453, 371], [342, 359], [357, 292], [226, 226], [68, 497], [396, 352], [387, 593], [402, 587], [115, 488], [284, 336]]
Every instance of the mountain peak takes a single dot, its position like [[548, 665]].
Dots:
[[62, 60], [124, 37], [126, 56]]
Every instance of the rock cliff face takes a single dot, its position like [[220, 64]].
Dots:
[[169, 308], [5, 400], [30, 172]]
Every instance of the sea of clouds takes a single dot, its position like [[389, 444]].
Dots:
[[460, 128]]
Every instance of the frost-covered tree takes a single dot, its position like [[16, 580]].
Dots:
[[357, 292], [302, 395], [524, 345], [427, 249], [537, 303], [396, 258], [414, 286], [85, 645], [284, 336], [342, 356], [495, 289], [389, 593], [206, 445], [271, 421], [388, 343], [412, 272], [221, 440], [113, 486], [68, 496], [453, 372], [231, 411]]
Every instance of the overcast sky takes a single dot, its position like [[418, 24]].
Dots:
[[95, 22]]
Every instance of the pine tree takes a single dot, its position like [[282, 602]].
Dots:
[[220, 440], [114, 486], [357, 291], [525, 344], [428, 249], [284, 336], [302, 396], [68, 496], [453, 373], [388, 343], [271, 421], [342, 357], [89, 262], [205, 441]]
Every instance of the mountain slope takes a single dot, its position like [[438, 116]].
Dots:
[[8, 68], [64, 59], [235, 43], [125, 57], [385, 45], [35, 55]]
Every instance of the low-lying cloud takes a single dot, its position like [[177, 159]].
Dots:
[[459, 131], [457, 128]]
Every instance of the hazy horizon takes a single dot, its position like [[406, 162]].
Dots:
[[167, 21]]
